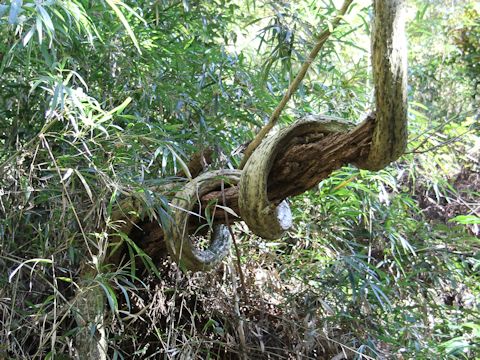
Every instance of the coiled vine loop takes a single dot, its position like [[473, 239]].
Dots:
[[266, 219], [177, 237]]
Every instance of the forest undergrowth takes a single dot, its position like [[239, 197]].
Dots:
[[108, 99]]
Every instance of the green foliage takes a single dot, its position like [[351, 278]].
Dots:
[[102, 99], [467, 41]]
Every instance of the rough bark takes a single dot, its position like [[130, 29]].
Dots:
[[305, 162], [389, 63]]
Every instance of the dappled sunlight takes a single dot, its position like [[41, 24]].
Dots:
[[124, 130]]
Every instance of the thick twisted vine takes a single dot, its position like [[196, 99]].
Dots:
[[264, 218], [373, 144], [389, 63], [389, 136], [177, 238]]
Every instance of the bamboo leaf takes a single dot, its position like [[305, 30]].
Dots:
[[28, 36], [68, 173], [123, 19], [35, 261], [85, 185], [183, 165], [228, 210], [46, 18], [15, 9]]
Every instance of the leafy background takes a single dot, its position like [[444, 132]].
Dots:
[[99, 99]]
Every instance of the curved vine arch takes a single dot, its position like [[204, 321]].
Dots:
[[386, 142], [389, 62]]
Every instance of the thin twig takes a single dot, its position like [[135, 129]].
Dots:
[[322, 38], [46, 127], [235, 245], [435, 147]]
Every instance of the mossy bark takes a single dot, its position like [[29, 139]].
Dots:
[[389, 63]]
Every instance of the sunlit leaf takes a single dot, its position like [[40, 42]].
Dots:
[[466, 219], [15, 9], [113, 5], [85, 185], [34, 261], [67, 174]]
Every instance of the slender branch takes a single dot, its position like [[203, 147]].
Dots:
[[237, 250], [322, 38], [442, 144]]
